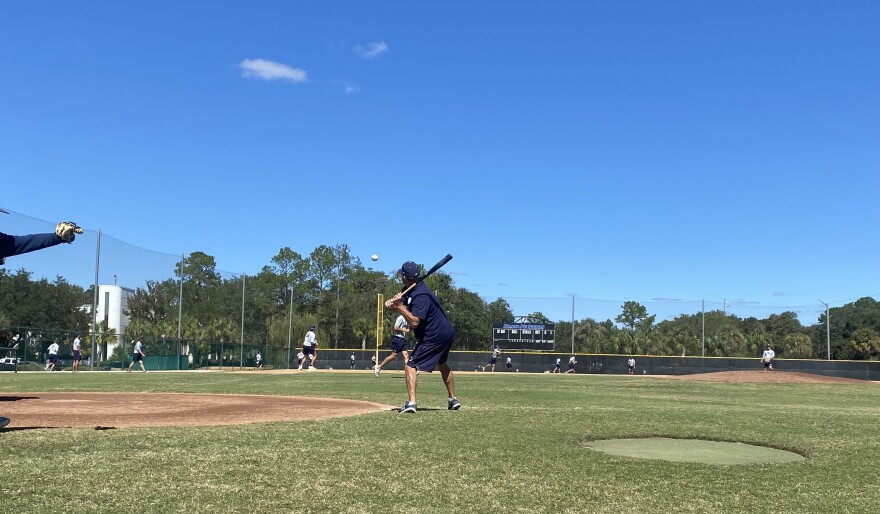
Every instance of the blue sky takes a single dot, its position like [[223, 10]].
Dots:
[[663, 152]]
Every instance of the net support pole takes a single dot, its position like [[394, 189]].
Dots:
[[95, 298]]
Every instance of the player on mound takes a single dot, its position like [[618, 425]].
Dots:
[[398, 343], [65, 232], [434, 335]]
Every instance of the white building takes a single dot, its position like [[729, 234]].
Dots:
[[112, 304]]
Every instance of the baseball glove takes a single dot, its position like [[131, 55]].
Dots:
[[67, 231]]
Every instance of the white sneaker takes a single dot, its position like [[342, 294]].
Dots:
[[312, 368], [378, 370]]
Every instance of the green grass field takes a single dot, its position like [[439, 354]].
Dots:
[[516, 446]]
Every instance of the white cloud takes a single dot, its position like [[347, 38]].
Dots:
[[351, 88], [372, 50], [270, 70]]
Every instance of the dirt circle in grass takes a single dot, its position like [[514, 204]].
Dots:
[[118, 410], [693, 450]]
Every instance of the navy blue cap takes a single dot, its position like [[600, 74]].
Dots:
[[312, 327], [410, 270]]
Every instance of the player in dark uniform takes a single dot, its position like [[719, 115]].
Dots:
[[65, 232], [433, 331]]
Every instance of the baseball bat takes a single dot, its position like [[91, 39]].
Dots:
[[442, 262]]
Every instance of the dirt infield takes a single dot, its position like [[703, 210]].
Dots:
[[118, 410], [771, 377]]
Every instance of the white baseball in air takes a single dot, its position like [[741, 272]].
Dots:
[[374, 257]]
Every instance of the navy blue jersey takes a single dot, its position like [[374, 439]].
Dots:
[[434, 326]]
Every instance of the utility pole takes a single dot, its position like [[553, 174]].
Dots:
[[827, 328]]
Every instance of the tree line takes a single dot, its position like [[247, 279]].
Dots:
[[331, 289]]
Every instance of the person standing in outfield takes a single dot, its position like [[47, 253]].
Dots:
[[53, 356], [300, 357], [571, 363], [557, 368], [65, 232], [509, 363], [310, 343], [138, 356], [398, 343], [493, 360], [767, 358], [77, 354], [631, 365], [351, 364], [434, 335], [259, 363]]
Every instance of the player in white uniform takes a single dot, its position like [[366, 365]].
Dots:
[[77, 354], [509, 363], [767, 358], [310, 345], [558, 367], [398, 343], [631, 365], [299, 359], [571, 363], [493, 360], [138, 356], [259, 363], [53, 356]]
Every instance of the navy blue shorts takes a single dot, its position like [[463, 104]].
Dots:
[[309, 350], [493, 360], [77, 356], [53, 358], [398, 344], [136, 357], [571, 366], [426, 357]]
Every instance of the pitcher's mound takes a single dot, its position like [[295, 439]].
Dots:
[[50, 410]]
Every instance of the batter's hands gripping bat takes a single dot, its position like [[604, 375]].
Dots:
[[442, 262]]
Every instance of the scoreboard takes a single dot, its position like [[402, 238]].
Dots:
[[524, 336]]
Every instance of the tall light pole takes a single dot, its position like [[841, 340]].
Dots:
[[827, 327]]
